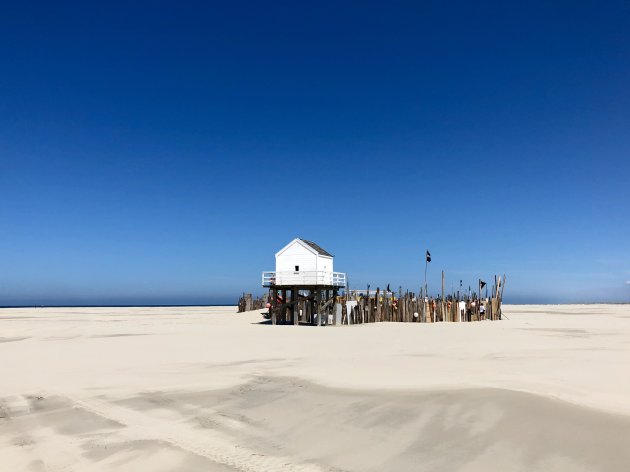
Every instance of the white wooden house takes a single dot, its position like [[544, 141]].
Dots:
[[303, 263]]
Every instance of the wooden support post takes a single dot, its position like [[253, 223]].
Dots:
[[318, 304], [296, 306], [330, 311], [283, 313], [274, 303], [309, 308]]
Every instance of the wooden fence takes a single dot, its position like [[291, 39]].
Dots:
[[247, 302], [358, 307]]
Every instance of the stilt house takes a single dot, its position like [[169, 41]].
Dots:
[[303, 263], [305, 271]]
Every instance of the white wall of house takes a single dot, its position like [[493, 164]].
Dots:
[[313, 268]]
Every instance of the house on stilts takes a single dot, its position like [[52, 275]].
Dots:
[[304, 273]]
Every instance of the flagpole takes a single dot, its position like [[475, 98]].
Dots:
[[426, 264], [427, 258], [425, 296], [479, 302]]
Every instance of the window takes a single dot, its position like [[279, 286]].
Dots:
[[297, 268]]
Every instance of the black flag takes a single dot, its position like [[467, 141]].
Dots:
[[388, 288], [482, 284], [428, 256]]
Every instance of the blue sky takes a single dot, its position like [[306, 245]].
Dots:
[[162, 152]]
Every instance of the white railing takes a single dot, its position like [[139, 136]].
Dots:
[[339, 279], [268, 279], [304, 277]]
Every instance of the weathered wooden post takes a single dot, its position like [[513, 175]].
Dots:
[[296, 306], [442, 309], [311, 307], [422, 313], [501, 297], [479, 302], [285, 305], [274, 304], [318, 297]]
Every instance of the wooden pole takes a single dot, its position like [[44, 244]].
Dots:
[[426, 265], [318, 297], [443, 311], [501, 297], [479, 301], [423, 314]]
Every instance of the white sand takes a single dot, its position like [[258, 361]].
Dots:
[[203, 389]]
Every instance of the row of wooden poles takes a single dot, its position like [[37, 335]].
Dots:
[[323, 305], [248, 302], [409, 308]]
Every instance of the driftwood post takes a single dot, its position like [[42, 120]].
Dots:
[[285, 305], [479, 301], [274, 304], [421, 305], [318, 304], [442, 310], [501, 297]]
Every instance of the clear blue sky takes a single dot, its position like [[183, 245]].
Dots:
[[162, 152]]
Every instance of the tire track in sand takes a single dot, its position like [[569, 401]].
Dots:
[[209, 444]]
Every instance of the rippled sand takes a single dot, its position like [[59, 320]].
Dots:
[[205, 389]]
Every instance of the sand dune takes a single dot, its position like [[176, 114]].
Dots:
[[165, 389]]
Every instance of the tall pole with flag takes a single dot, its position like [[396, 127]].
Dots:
[[426, 265], [482, 284], [479, 302]]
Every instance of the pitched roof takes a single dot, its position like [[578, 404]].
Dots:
[[320, 250]]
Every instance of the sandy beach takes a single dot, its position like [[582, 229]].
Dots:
[[205, 389]]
